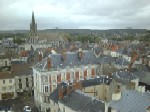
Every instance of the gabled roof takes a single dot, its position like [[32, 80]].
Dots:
[[81, 102], [70, 60], [106, 60], [124, 77], [5, 75], [143, 76], [132, 101], [21, 69], [51, 37], [121, 61], [55, 94], [96, 81]]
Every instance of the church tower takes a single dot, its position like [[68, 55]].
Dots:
[[33, 26], [33, 31]]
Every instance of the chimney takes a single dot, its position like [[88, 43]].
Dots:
[[48, 63], [40, 57], [130, 67], [61, 96], [63, 55], [80, 54], [69, 88], [77, 85]]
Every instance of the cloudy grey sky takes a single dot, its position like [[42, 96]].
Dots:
[[80, 14]]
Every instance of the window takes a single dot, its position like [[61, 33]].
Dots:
[[27, 84], [96, 93], [26, 79], [72, 75], [80, 75], [19, 80], [63, 109], [20, 86], [118, 86], [10, 87], [10, 81], [46, 88], [3, 81], [105, 98], [4, 88]]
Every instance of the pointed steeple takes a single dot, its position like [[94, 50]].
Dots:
[[33, 26], [33, 20]]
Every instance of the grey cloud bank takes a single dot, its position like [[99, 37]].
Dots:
[[87, 14]]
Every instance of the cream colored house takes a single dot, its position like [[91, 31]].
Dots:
[[4, 61], [23, 76], [57, 68], [100, 88], [7, 86]]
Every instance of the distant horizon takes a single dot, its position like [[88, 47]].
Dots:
[[80, 29]]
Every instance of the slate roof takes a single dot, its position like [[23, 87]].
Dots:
[[81, 102], [106, 60], [55, 94], [71, 60], [144, 68], [96, 81], [124, 77], [143, 76], [132, 101], [121, 61], [51, 37]]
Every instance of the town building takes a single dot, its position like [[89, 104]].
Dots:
[[23, 77], [7, 86], [57, 68], [42, 40], [7, 41], [71, 98]]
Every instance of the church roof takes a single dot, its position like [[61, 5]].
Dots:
[[51, 36]]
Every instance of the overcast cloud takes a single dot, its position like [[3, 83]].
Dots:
[[87, 14]]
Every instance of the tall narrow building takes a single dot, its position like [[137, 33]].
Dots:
[[33, 26], [33, 31]]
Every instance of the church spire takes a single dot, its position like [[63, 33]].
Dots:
[[33, 20], [33, 26]]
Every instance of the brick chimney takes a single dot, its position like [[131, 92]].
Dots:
[[61, 96], [130, 67], [134, 56], [48, 63], [69, 88], [40, 57], [77, 85], [63, 53]]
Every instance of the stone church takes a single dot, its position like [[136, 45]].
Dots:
[[50, 39]]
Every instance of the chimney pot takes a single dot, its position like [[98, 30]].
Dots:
[[48, 63]]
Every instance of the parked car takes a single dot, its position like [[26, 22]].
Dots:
[[27, 109]]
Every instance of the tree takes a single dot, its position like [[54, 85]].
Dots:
[[18, 40]]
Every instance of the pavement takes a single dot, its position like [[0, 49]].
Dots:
[[18, 103]]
